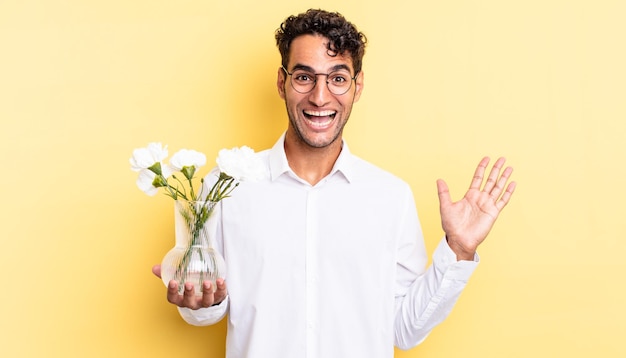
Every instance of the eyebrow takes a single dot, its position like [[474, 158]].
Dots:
[[338, 67]]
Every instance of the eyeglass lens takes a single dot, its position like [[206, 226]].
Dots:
[[338, 82]]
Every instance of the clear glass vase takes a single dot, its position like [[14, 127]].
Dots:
[[193, 258]]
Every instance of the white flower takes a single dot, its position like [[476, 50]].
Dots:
[[237, 164], [187, 158], [242, 164], [144, 158], [149, 182], [145, 180]]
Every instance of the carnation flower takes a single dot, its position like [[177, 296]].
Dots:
[[241, 164], [144, 182], [144, 158], [235, 165], [187, 161]]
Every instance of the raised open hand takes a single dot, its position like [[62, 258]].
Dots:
[[468, 221]]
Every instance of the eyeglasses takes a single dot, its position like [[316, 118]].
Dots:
[[338, 82]]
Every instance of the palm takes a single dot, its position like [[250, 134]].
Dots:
[[468, 221]]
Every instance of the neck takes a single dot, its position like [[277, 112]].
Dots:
[[310, 163]]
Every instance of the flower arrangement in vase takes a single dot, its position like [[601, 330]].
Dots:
[[193, 258]]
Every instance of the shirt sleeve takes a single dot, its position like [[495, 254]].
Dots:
[[205, 316], [425, 296], [432, 295]]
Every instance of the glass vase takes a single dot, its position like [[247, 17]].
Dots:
[[193, 259]]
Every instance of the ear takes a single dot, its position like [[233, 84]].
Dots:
[[359, 83], [280, 82]]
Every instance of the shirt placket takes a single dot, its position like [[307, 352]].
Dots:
[[312, 275]]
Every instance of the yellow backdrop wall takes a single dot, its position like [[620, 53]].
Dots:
[[83, 83]]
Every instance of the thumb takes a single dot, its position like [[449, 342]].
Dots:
[[443, 192], [156, 270]]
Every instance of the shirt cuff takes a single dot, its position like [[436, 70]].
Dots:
[[444, 260], [205, 316]]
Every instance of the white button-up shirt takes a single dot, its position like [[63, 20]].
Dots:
[[337, 269]]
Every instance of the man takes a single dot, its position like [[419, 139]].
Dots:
[[326, 257]]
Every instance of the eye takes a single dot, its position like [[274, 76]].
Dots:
[[303, 77], [338, 78]]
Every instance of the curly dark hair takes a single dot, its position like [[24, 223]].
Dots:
[[342, 35]]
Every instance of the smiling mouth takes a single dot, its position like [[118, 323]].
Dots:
[[320, 119]]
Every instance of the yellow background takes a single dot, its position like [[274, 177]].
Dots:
[[83, 83]]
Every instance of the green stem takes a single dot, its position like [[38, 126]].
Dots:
[[191, 191], [182, 193]]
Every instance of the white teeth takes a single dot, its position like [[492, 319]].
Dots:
[[319, 113], [315, 116], [320, 124]]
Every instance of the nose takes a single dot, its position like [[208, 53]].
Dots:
[[320, 95]]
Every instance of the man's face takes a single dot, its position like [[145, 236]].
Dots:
[[317, 118]]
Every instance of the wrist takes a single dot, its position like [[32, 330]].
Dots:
[[462, 253]]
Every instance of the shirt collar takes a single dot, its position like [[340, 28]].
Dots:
[[279, 165]]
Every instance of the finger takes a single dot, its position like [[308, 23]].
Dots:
[[189, 296], [500, 184], [156, 270], [493, 175], [221, 292], [172, 293], [443, 192], [477, 180], [207, 294], [500, 204]]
